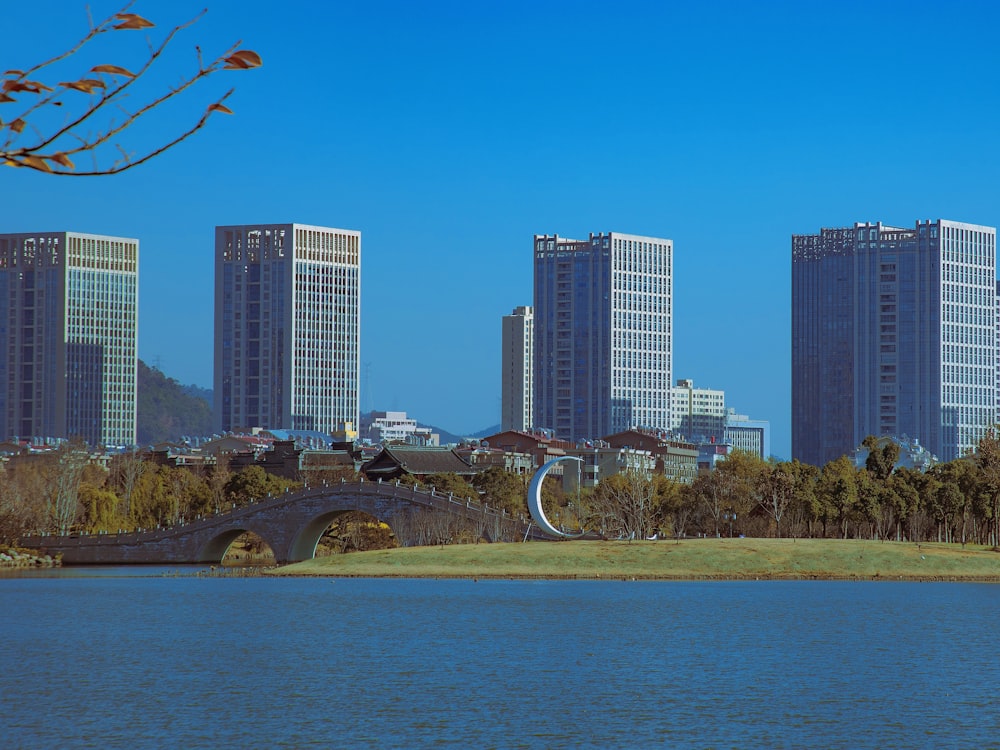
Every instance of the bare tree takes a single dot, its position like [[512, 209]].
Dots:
[[56, 121], [127, 469], [626, 505], [777, 489], [64, 491]]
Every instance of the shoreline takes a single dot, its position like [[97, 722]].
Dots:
[[673, 560]]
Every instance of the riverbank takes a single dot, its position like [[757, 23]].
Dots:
[[670, 560]]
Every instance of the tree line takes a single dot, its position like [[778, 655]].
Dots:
[[957, 501], [65, 492]]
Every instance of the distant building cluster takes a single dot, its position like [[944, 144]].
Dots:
[[593, 355], [287, 332], [895, 333]]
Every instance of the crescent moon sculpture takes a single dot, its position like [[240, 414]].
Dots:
[[535, 500]]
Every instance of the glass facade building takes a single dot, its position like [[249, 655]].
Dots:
[[287, 327], [894, 333], [68, 337], [603, 334]]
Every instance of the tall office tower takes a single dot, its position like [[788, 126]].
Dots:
[[517, 362], [603, 334], [68, 336], [697, 413], [894, 332], [287, 323]]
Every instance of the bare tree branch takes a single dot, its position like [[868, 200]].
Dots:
[[104, 84]]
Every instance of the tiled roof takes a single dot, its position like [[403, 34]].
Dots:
[[423, 460]]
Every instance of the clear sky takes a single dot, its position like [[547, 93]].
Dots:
[[449, 133]]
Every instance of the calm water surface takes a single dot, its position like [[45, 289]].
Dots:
[[124, 662]]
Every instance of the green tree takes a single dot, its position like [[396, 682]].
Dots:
[[882, 456], [100, 509], [909, 489], [502, 489], [253, 483], [988, 461], [837, 491], [444, 483], [743, 479], [804, 507]]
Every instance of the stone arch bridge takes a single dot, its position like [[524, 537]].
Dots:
[[291, 523]]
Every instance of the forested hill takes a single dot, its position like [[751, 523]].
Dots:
[[167, 410]]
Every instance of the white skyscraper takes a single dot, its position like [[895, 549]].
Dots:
[[68, 337], [603, 334], [517, 361], [287, 327]]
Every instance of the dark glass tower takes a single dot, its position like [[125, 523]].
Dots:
[[893, 334], [603, 334]]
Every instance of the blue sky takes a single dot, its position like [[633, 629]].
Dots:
[[449, 133]]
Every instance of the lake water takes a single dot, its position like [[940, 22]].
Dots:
[[211, 662]]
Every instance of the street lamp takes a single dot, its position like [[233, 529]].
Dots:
[[730, 515]]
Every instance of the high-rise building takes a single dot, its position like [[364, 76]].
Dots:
[[517, 363], [603, 334], [698, 414], [894, 333], [68, 336], [287, 326]]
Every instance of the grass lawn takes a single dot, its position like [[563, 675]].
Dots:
[[686, 559]]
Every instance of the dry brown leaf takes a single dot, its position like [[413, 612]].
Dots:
[[116, 70], [242, 59], [33, 87], [5, 98], [132, 21], [36, 162], [16, 125], [86, 85], [61, 158], [217, 107]]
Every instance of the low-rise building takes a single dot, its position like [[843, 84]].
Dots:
[[675, 459], [750, 435]]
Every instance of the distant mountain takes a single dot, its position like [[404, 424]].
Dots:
[[167, 410], [487, 432], [451, 437], [205, 394]]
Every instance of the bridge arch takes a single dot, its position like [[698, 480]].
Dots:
[[215, 549], [307, 538]]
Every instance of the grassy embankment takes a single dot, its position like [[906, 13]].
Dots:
[[687, 559]]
